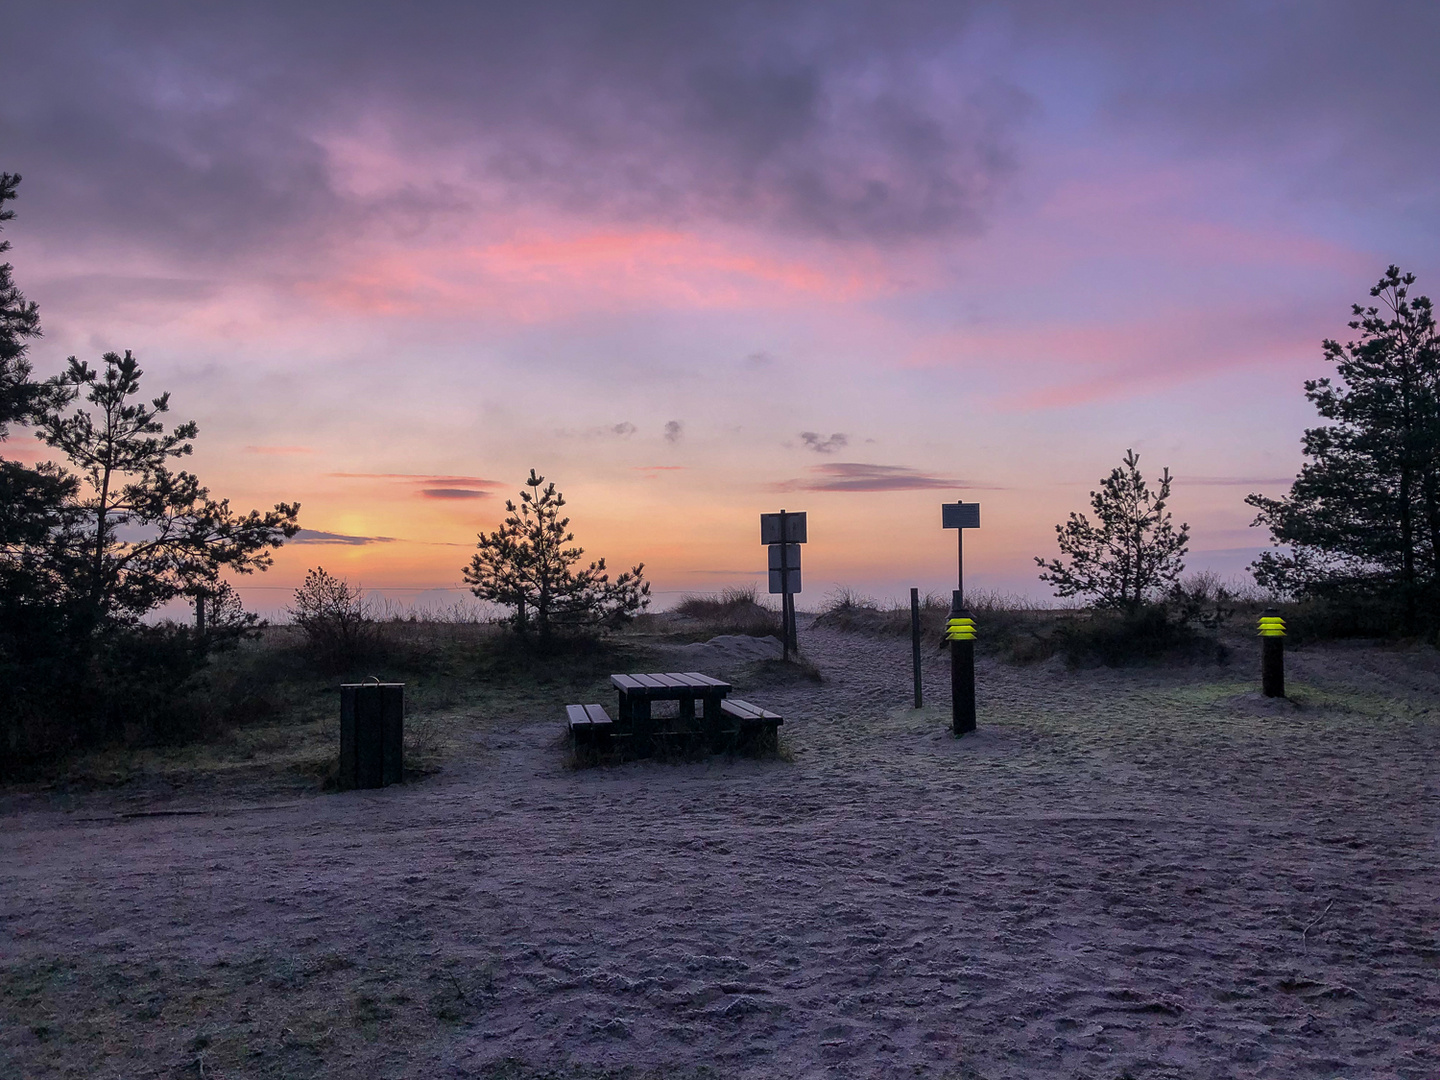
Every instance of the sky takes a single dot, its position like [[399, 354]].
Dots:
[[697, 262]]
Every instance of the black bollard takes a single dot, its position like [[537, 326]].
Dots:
[[372, 734], [915, 642], [1272, 654], [960, 631]]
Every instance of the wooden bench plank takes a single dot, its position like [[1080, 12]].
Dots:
[[745, 712], [588, 718], [699, 679]]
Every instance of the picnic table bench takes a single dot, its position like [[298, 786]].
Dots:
[[590, 725], [720, 719]]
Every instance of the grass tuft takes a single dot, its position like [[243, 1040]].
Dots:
[[734, 611]]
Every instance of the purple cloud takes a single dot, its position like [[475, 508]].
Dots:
[[855, 476], [814, 441], [453, 493], [316, 536]]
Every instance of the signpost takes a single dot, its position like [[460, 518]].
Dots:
[[784, 533], [960, 627]]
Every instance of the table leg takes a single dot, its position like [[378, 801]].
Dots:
[[713, 722], [687, 714]]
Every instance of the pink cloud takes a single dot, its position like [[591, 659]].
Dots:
[[432, 487], [1060, 365], [549, 273], [1134, 206]]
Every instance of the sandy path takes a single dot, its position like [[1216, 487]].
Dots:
[[1145, 874]]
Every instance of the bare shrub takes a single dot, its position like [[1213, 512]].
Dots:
[[335, 619]]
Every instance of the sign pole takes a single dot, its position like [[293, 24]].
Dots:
[[960, 564], [779, 531], [784, 587]]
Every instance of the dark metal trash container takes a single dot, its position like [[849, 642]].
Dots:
[[372, 734]]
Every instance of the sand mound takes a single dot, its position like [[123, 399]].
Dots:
[[733, 648]]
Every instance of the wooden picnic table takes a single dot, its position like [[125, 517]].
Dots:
[[726, 722], [687, 687]]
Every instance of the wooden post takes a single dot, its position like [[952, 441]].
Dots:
[[794, 629], [200, 614], [915, 642]]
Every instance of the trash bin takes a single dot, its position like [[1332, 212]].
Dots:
[[372, 734]]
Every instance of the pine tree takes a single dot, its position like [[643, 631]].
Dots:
[[1363, 516], [30, 498], [526, 564], [141, 534], [1132, 550]]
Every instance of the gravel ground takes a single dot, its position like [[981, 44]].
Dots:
[[1144, 874]]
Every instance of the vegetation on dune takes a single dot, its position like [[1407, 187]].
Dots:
[[335, 619], [526, 565], [90, 546], [735, 610], [1131, 552], [1358, 534], [270, 706]]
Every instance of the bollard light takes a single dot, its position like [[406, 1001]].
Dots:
[[960, 629], [960, 632], [1272, 654], [1272, 626]]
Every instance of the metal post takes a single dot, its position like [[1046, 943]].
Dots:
[[960, 566], [962, 666], [785, 600], [915, 641], [1272, 654]]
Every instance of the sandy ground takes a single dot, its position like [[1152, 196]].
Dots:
[[1144, 874]]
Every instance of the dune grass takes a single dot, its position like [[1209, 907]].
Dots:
[[735, 610], [266, 708]]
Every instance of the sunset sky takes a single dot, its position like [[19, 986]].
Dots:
[[696, 262]]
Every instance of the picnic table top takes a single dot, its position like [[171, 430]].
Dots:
[[662, 684]]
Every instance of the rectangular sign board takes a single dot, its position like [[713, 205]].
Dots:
[[961, 515], [777, 586], [792, 556], [794, 526]]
